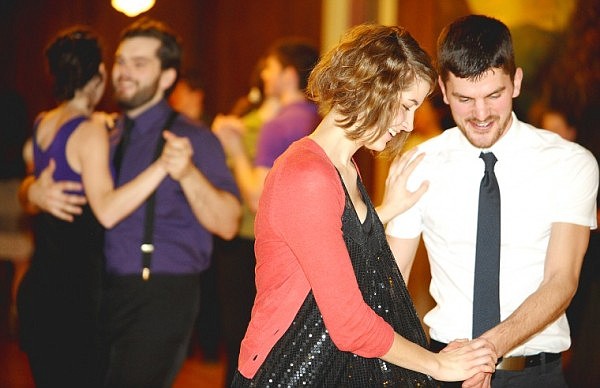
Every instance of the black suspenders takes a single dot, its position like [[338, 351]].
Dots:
[[147, 246]]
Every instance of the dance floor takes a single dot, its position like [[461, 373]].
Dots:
[[14, 368]]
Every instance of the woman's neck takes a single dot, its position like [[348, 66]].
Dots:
[[333, 140], [78, 105]]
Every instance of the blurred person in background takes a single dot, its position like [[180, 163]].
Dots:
[[234, 260], [155, 255], [15, 235], [59, 298], [279, 113]]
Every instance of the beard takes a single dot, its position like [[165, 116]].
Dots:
[[142, 96], [488, 141]]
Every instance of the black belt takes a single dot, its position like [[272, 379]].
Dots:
[[516, 363], [521, 362]]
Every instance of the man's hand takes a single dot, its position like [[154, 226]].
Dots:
[[480, 380], [177, 155], [53, 197], [229, 130]]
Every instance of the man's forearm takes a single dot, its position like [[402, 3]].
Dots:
[[537, 311], [566, 249], [217, 210]]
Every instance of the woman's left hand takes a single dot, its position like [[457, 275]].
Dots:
[[397, 198]]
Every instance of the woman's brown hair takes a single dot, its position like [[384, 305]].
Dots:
[[363, 77]]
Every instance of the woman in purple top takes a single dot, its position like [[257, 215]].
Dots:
[[59, 297]]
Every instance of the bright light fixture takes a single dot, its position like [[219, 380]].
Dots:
[[132, 8]]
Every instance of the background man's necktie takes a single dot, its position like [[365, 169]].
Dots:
[[122, 145], [486, 299]]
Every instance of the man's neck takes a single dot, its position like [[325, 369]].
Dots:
[[292, 97], [135, 112]]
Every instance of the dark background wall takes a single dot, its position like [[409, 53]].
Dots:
[[222, 39]]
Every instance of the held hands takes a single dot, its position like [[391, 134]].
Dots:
[[52, 197], [177, 154], [480, 380], [474, 361], [397, 198]]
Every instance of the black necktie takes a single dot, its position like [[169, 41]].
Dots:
[[486, 298], [122, 145]]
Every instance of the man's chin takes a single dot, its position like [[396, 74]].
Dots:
[[480, 141], [128, 104]]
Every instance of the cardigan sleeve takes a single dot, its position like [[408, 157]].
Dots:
[[307, 203]]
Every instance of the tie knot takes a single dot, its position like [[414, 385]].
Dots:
[[489, 159]]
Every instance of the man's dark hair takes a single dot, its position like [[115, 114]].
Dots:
[[297, 53], [170, 51], [474, 44]]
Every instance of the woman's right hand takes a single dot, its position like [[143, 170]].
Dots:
[[462, 359]]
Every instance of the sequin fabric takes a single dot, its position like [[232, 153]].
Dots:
[[307, 357]]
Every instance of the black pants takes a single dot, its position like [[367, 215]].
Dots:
[[548, 375], [148, 327]]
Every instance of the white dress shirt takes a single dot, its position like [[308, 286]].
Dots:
[[543, 179]]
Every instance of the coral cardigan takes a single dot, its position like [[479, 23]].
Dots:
[[299, 248]]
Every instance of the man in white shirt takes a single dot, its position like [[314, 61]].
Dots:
[[548, 189]]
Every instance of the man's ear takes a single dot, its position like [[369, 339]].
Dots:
[[102, 71], [167, 78], [517, 82], [443, 89]]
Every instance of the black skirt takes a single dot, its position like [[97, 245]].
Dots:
[[306, 355]]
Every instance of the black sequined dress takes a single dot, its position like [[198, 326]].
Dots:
[[306, 355]]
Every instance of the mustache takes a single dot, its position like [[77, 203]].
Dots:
[[488, 118], [123, 78]]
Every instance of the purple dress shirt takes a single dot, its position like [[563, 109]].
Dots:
[[181, 244], [292, 123]]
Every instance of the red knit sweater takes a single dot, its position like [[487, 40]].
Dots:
[[299, 247]]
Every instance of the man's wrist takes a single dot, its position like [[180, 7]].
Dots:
[[187, 174], [25, 195]]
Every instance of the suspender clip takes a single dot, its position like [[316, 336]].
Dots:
[[147, 248]]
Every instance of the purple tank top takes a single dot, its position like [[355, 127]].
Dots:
[[57, 151]]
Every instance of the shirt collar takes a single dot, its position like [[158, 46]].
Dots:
[[151, 117], [507, 144]]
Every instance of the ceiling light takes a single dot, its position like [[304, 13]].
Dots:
[[132, 8]]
